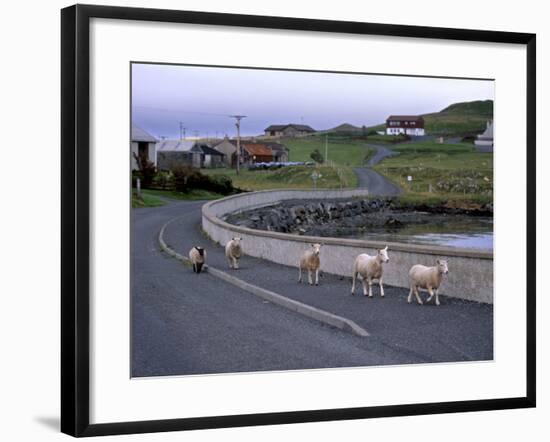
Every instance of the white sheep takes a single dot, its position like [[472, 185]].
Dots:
[[233, 252], [368, 268], [311, 262], [197, 255], [428, 278]]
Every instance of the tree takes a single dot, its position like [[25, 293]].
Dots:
[[317, 156], [147, 170]]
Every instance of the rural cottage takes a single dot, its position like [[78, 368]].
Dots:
[[143, 145]]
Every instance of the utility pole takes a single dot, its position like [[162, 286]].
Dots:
[[238, 119], [326, 148], [182, 131]]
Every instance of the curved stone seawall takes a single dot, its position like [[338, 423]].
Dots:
[[470, 271]]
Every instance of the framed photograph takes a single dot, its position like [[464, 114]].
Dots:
[[272, 220]]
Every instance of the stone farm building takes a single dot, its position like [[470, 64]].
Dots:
[[228, 148], [143, 145], [280, 152], [405, 124], [288, 130], [211, 158]]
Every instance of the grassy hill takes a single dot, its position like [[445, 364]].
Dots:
[[458, 119]]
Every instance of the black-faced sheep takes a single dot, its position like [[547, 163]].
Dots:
[[197, 255]]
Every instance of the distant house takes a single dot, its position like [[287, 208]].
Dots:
[[485, 140], [256, 153], [143, 145], [405, 124], [174, 153], [228, 148], [288, 130], [279, 151], [211, 157]]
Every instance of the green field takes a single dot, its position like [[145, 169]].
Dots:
[[449, 170], [342, 150], [297, 177]]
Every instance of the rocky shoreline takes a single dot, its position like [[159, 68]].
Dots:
[[352, 217]]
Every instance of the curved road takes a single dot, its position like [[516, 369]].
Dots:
[[372, 180], [185, 323]]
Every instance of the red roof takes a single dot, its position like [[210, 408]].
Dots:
[[257, 149]]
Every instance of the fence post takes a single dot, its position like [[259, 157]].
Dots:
[[138, 187]]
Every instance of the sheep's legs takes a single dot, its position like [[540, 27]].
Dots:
[[309, 274], [317, 277], [235, 263], [353, 283], [365, 287], [417, 295], [415, 290], [370, 287], [432, 293], [381, 287], [299, 274]]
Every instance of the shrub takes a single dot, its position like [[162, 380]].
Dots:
[[186, 179], [164, 180], [317, 156]]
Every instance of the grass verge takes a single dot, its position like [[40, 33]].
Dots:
[[296, 177], [453, 171]]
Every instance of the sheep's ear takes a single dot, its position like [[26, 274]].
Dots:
[[386, 248]]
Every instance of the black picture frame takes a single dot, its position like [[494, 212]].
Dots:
[[75, 212]]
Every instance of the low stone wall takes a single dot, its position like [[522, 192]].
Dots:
[[470, 271]]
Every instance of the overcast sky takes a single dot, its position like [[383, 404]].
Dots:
[[203, 98]]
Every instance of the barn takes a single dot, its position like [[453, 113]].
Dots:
[[405, 124], [256, 153], [211, 158], [174, 153]]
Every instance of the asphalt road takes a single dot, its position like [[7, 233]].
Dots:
[[183, 323], [372, 180], [402, 333]]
